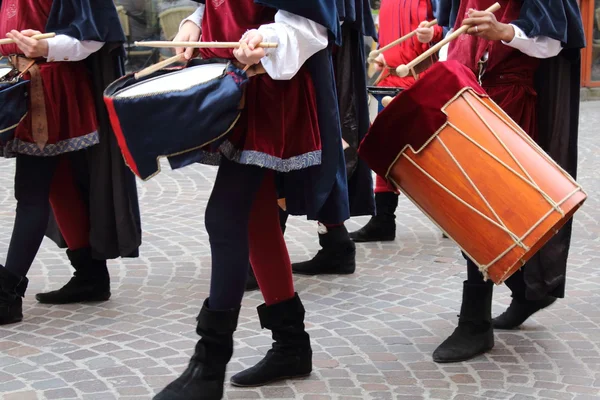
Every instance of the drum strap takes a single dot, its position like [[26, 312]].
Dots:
[[39, 122]]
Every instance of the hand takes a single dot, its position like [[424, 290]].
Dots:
[[31, 48], [189, 32], [249, 53], [379, 62], [486, 26], [424, 34]]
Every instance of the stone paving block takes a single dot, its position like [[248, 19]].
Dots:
[[372, 332]]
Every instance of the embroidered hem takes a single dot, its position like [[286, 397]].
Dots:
[[259, 159], [17, 146]]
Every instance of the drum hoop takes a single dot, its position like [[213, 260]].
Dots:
[[141, 96], [15, 125], [158, 171], [483, 268]]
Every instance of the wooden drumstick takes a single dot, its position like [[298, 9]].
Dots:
[[153, 68], [404, 70], [375, 53], [201, 45], [36, 37]]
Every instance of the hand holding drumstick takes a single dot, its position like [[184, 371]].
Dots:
[[483, 24], [30, 46]]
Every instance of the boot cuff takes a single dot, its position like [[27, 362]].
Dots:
[[281, 313], [218, 321]]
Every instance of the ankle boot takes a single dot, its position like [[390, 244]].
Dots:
[[519, 310], [474, 334], [291, 354], [90, 282], [251, 282], [381, 227], [205, 375], [337, 256], [12, 291]]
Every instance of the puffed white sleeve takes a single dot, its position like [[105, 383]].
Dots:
[[67, 48], [298, 39], [538, 46], [196, 17]]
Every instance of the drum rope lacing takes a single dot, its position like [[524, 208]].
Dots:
[[510, 153], [514, 236]]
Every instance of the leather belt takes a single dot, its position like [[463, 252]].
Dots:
[[39, 122]]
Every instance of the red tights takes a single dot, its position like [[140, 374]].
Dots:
[[269, 255]]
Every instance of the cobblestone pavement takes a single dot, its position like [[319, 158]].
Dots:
[[373, 332]]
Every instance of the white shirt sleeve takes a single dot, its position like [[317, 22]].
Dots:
[[538, 47], [196, 17], [298, 39], [67, 48]]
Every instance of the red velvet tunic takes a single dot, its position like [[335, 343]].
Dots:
[[396, 19], [509, 74], [67, 90], [278, 128]]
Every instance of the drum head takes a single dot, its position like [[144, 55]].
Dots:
[[174, 81], [4, 71]]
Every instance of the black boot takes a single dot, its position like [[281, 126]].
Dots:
[[474, 334], [90, 282], [251, 283], [291, 354], [381, 227], [518, 312], [205, 375], [337, 256], [12, 291]]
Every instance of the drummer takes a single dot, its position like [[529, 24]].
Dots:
[[396, 19], [338, 252], [523, 48], [290, 125], [49, 142]]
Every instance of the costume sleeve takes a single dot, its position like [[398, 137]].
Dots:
[[93, 20], [538, 47], [555, 19], [438, 33], [298, 39], [196, 17], [66, 48]]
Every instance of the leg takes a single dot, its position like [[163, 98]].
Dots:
[[520, 308], [474, 334], [227, 220], [32, 188], [381, 227], [252, 283], [282, 313], [91, 281]]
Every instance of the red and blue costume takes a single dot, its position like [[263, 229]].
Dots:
[[73, 166], [290, 128]]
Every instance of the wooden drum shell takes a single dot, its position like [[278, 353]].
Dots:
[[498, 197]]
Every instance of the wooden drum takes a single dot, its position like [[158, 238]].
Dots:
[[474, 172]]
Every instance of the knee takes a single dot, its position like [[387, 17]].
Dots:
[[222, 224]]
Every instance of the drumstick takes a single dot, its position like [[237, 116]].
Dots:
[[153, 68], [404, 70], [201, 45], [375, 53], [36, 37]]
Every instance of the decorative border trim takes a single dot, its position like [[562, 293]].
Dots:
[[17, 146], [259, 159]]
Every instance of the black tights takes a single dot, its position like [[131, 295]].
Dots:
[[227, 216], [516, 283], [33, 179]]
